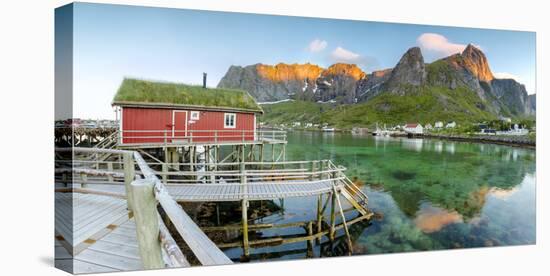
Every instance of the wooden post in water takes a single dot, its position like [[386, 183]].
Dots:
[[129, 176], [310, 241], [319, 216], [332, 215], [343, 221], [244, 203], [245, 227], [147, 225]]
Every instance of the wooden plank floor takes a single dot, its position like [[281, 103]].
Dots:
[[104, 236], [217, 192], [253, 191]]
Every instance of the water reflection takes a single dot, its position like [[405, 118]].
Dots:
[[413, 144], [433, 194], [431, 219]]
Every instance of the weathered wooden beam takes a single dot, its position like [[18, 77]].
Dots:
[[203, 248], [319, 215], [147, 226], [332, 216], [283, 240], [343, 221], [310, 242], [174, 256], [245, 227], [129, 176], [92, 172]]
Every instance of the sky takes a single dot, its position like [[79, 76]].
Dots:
[[115, 41]]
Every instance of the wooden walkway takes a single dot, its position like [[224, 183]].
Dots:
[[98, 231], [251, 191]]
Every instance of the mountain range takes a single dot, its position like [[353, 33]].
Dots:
[[462, 83]]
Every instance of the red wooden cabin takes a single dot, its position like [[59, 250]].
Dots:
[[160, 112]]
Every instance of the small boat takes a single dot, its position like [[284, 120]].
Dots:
[[328, 129]]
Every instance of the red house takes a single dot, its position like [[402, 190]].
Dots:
[[162, 112]]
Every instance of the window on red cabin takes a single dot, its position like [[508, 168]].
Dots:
[[230, 120]]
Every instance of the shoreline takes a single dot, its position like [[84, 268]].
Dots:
[[514, 141]]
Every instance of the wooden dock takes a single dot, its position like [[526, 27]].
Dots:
[[94, 233], [106, 203]]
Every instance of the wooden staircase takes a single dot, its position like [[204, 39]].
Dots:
[[353, 194]]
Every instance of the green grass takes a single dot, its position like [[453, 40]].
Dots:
[[142, 91], [424, 105], [294, 111]]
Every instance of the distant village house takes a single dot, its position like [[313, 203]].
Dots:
[[414, 128], [450, 124]]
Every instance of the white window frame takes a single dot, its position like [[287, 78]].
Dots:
[[195, 115], [225, 115]]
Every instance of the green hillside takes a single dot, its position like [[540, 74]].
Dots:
[[294, 111], [424, 105]]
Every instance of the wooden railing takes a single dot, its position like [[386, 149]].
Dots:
[[212, 173], [167, 136], [144, 192]]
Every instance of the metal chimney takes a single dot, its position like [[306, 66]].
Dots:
[[203, 80]]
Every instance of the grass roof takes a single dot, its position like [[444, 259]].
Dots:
[[135, 91]]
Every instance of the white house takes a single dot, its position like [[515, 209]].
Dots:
[[414, 128], [438, 124], [308, 125], [428, 126], [451, 124], [296, 124]]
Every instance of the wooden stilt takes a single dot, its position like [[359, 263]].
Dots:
[[261, 156], [245, 228], [332, 216], [319, 216], [344, 221], [310, 241], [244, 205], [191, 158]]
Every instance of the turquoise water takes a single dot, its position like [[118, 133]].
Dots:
[[432, 195]]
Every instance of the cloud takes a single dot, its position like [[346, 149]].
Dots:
[[439, 45], [506, 75], [343, 55], [317, 45]]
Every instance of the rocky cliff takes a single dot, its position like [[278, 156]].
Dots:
[[274, 83], [348, 84], [409, 72]]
